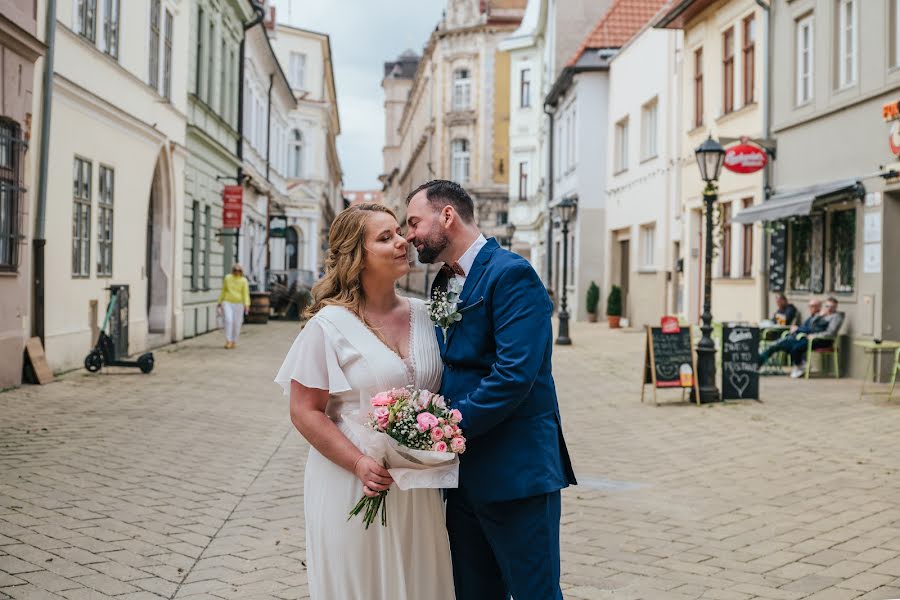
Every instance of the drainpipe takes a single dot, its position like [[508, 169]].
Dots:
[[767, 132], [39, 242], [549, 199], [269, 126]]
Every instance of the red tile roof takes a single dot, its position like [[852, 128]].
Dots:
[[619, 23]]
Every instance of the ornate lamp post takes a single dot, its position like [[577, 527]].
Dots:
[[565, 210], [510, 232], [710, 156]]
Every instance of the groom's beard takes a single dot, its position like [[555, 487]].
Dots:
[[433, 246]]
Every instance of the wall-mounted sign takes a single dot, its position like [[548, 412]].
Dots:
[[277, 227], [744, 158], [890, 112], [232, 206]]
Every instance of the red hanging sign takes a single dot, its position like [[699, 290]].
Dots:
[[232, 206], [745, 158], [670, 324]]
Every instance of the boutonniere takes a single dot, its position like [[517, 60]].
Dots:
[[442, 306]]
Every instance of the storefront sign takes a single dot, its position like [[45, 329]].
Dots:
[[232, 206], [890, 112], [745, 158], [277, 227]]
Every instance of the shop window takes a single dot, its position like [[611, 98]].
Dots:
[[842, 249], [800, 243]]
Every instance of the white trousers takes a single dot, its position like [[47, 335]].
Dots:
[[233, 315]]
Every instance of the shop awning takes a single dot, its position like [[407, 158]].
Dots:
[[799, 202]]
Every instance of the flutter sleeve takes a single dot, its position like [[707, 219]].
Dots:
[[313, 362]]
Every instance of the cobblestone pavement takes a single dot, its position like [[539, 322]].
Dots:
[[187, 483]]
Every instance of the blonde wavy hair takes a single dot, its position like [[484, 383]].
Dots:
[[344, 262]]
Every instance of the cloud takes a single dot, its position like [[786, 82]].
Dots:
[[364, 34]]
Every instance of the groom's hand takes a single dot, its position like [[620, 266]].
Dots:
[[374, 477]]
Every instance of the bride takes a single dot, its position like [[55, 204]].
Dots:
[[363, 339]]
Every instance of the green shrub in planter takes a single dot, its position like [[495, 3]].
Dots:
[[593, 298], [614, 302]]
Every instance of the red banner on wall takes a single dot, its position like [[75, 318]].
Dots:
[[233, 203]]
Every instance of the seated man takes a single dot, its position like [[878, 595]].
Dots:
[[832, 320], [786, 313], [814, 324]]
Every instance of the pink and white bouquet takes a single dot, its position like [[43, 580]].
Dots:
[[417, 437]]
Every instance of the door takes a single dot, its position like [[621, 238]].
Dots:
[[624, 273]]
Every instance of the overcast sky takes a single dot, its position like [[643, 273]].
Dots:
[[364, 34]]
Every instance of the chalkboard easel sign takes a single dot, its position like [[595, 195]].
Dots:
[[740, 369], [669, 362]]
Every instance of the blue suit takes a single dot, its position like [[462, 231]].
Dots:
[[503, 519]]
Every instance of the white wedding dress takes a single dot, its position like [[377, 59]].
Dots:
[[410, 558]]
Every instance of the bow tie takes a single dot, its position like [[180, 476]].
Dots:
[[453, 269]]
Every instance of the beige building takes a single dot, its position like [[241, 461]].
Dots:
[[455, 123], [299, 225], [721, 74], [21, 49]]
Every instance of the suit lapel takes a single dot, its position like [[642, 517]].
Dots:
[[472, 279]]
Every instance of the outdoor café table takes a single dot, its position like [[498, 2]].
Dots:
[[767, 336], [872, 349]]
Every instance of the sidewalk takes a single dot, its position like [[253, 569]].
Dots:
[[188, 483]]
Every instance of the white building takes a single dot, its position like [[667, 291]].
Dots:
[[643, 212], [300, 225], [116, 163]]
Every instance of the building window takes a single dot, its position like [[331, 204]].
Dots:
[[81, 219], [198, 83], [298, 70], [805, 62], [210, 62], [12, 146], [747, 240], [296, 155], [847, 42], [800, 234], [195, 247], [842, 246], [459, 152], [895, 33], [561, 146], [523, 181], [728, 71], [462, 89], [223, 80], [648, 246], [167, 57], [749, 63], [111, 27], [573, 145], [621, 155], [725, 215], [649, 127], [105, 222], [502, 217], [525, 88], [86, 19], [698, 87], [234, 89], [154, 44], [207, 245]]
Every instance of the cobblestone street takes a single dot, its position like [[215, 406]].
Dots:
[[187, 483]]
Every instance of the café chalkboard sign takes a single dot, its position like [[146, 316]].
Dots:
[[778, 258], [669, 361], [740, 370]]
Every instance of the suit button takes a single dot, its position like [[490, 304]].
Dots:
[[449, 366]]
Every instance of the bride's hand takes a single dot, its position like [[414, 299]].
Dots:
[[374, 477]]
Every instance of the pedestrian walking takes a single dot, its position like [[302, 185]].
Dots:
[[234, 303]]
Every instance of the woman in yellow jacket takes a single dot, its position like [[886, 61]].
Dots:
[[234, 301]]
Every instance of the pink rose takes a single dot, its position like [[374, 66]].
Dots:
[[381, 417], [440, 447], [448, 431], [426, 421], [458, 445], [437, 434], [382, 399], [424, 398], [438, 401], [455, 415]]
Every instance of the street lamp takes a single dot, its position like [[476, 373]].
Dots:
[[710, 156], [510, 232], [565, 209]]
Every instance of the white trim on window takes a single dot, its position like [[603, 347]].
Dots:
[[805, 69], [848, 42], [650, 129]]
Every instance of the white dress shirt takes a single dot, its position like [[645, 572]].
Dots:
[[466, 261]]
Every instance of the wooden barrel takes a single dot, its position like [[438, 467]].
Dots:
[[259, 308]]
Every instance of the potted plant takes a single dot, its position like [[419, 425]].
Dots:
[[614, 307], [591, 302]]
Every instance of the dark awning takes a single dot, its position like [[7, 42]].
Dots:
[[799, 202]]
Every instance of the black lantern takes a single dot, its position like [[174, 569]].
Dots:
[[565, 210], [710, 156]]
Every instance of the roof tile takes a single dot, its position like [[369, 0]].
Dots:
[[619, 23]]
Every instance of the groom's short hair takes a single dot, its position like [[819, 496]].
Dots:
[[441, 192]]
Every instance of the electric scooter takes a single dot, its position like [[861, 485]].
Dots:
[[104, 353]]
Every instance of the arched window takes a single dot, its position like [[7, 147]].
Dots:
[[296, 155], [459, 168], [462, 89]]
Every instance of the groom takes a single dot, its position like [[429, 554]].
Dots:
[[503, 519]]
